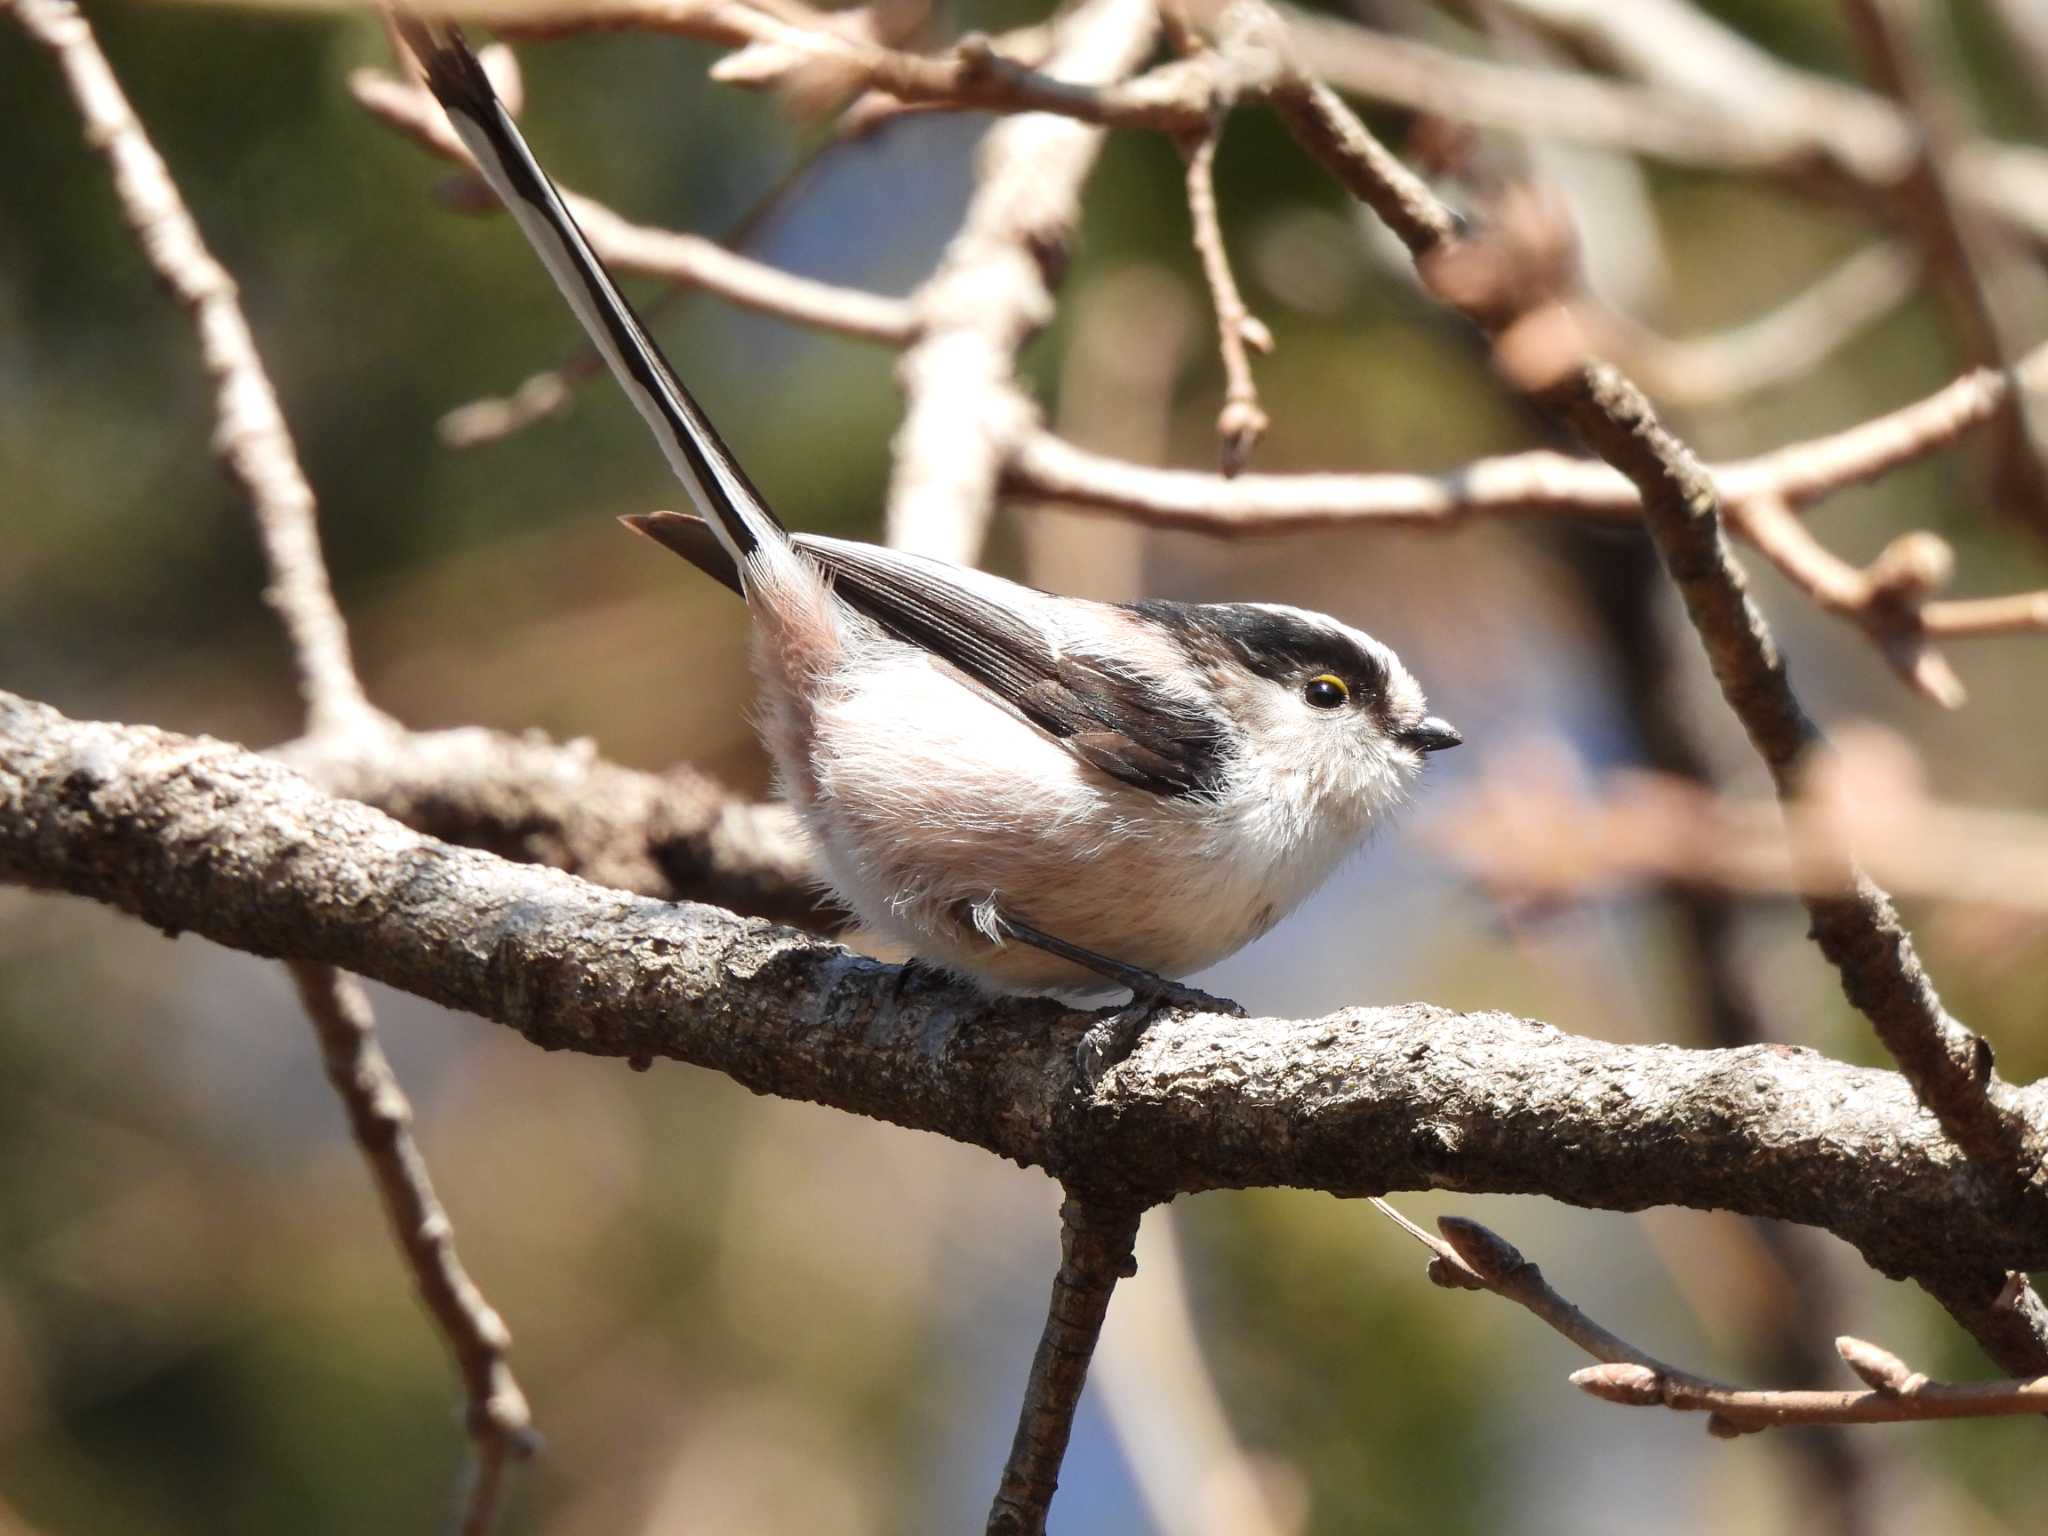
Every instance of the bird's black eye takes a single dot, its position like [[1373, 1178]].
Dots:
[[1326, 692]]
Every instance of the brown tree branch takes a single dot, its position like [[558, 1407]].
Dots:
[[1898, 1394], [1533, 483], [190, 834], [1096, 1243], [676, 835], [381, 1118], [1899, 43], [1469, 1256]]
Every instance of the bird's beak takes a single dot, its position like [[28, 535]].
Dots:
[[1432, 735]]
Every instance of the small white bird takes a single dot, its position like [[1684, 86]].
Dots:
[[1042, 793]]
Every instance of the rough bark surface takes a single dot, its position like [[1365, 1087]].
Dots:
[[200, 835]]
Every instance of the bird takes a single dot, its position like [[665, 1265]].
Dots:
[[1040, 793]]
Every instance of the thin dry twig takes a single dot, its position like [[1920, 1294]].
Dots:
[[381, 1118], [1897, 40], [1472, 1257], [1096, 1240], [1897, 1395], [250, 435], [685, 259], [256, 446], [1242, 421], [1539, 482]]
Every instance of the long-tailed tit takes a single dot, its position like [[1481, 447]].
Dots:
[[1039, 792]]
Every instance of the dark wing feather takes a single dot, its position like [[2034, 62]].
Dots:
[[1111, 717]]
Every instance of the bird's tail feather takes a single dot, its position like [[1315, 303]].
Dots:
[[716, 483]]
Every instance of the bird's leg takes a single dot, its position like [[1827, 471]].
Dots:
[[1115, 1035]]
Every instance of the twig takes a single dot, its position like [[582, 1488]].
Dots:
[[992, 291], [1897, 42], [676, 258], [1472, 1257], [1533, 483], [1898, 1395], [250, 435], [1095, 1252], [498, 1420], [1885, 600], [1242, 422]]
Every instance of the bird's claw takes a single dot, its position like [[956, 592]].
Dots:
[[1114, 1035]]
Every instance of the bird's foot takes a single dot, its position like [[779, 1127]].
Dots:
[[1114, 1035]]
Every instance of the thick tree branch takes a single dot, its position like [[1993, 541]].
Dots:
[[677, 835], [198, 835]]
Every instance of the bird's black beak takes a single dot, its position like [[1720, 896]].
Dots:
[[1432, 735]]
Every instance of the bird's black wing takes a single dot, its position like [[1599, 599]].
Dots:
[[1111, 716]]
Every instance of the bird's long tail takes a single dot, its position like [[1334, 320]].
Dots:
[[717, 485]]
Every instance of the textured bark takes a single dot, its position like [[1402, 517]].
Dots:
[[676, 835], [201, 835]]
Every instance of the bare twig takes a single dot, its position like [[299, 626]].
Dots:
[[250, 435], [992, 291], [1095, 1252], [676, 258], [1534, 483], [1472, 1257], [1897, 39], [1898, 1395], [1242, 422], [381, 1118]]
